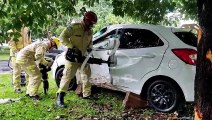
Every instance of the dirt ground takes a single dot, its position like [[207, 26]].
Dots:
[[183, 113]]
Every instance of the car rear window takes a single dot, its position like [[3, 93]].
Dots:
[[187, 37]]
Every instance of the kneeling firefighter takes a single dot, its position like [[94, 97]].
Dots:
[[29, 58], [77, 35]]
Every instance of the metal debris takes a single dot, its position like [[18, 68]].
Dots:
[[9, 100]]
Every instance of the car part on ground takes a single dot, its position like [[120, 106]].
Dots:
[[9, 100]]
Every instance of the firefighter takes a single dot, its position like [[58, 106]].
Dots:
[[29, 58], [15, 47], [79, 36]]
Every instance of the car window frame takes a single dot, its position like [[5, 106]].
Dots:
[[101, 39], [152, 31]]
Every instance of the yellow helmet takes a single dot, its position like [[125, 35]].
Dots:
[[56, 40]]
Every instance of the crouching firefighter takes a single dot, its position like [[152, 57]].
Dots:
[[78, 35], [29, 58]]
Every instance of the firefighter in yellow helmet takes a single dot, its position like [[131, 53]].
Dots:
[[32, 55], [15, 47], [78, 35]]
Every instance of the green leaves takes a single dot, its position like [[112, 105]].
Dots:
[[36, 14], [153, 11], [3, 14], [42, 15]]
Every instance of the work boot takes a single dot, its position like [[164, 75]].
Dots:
[[60, 100], [91, 97], [18, 90], [87, 97], [36, 97]]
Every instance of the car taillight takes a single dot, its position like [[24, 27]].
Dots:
[[189, 56]]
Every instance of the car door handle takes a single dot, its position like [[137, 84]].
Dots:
[[148, 56]]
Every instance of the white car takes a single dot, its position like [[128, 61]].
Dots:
[[153, 61]]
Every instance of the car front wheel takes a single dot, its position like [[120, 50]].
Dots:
[[163, 96], [58, 76]]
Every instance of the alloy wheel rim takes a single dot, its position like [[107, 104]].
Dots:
[[163, 97]]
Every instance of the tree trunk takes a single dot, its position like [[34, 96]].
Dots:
[[203, 78]]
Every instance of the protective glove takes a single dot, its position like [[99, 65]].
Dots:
[[45, 86], [49, 64], [44, 69], [73, 55]]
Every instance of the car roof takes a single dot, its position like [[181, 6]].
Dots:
[[163, 30], [133, 26], [138, 26], [151, 26]]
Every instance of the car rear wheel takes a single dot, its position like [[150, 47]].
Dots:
[[163, 96], [58, 76]]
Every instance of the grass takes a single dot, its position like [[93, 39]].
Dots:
[[45, 109], [4, 54], [107, 106]]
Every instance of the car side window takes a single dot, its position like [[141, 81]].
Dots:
[[102, 42], [102, 31], [187, 37], [139, 38]]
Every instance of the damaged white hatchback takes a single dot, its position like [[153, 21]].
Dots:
[[155, 62]]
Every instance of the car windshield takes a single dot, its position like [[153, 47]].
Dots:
[[187, 37], [100, 32]]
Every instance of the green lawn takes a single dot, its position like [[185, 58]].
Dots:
[[4, 54], [107, 104]]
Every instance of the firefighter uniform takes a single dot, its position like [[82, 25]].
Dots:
[[27, 58], [15, 47], [76, 36]]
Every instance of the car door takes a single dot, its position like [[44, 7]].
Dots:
[[140, 52], [100, 73]]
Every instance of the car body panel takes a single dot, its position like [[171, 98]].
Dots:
[[99, 73], [134, 67], [133, 64]]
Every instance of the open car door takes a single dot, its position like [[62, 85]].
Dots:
[[106, 47]]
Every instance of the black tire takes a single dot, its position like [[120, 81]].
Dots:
[[163, 96], [58, 76]]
